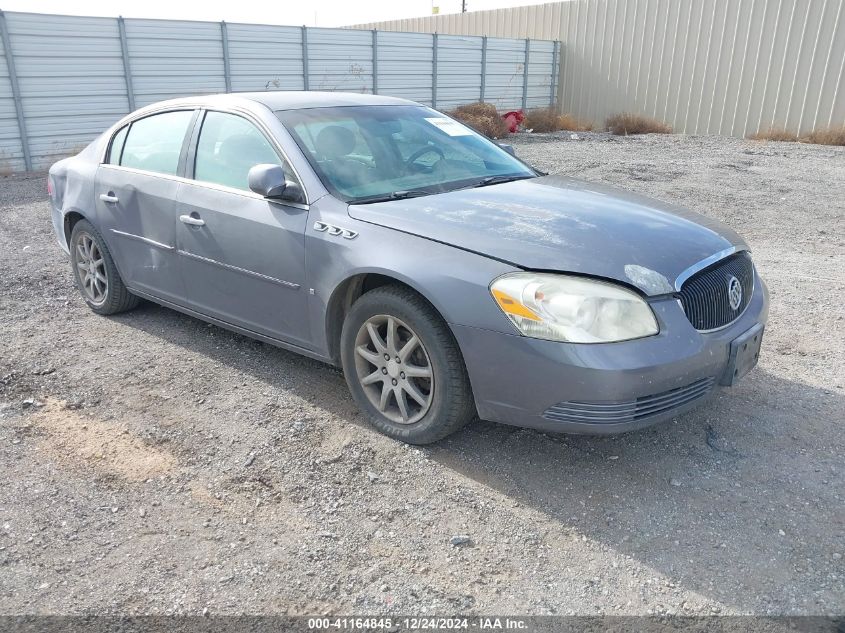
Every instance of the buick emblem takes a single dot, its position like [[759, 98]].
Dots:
[[734, 292]]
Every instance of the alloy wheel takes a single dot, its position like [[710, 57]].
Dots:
[[394, 369], [91, 268]]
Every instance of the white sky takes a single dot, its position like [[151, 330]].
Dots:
[[297, 12]]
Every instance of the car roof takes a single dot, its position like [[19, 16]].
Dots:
[[287, 99], [293, 100]]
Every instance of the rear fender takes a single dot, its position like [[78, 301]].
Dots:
[[73, 182]]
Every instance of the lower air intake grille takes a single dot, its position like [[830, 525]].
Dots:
[[628, 410]]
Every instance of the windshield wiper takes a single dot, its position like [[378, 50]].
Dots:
[[416, 193], [394, 195], [497, 180]]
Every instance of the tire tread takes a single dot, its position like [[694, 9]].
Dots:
[[459, 405], [119, 298]]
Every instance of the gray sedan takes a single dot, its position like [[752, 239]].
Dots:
[[445, 276]]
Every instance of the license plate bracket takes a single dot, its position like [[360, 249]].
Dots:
[[744, 354]]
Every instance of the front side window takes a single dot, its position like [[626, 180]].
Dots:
[[116, 147], [155, 142], [229, 146], [366, 153]]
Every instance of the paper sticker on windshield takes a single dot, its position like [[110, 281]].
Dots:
[[452, 128]]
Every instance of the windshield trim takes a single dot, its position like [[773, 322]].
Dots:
[[437, 188]]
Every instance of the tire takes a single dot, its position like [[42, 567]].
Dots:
[[103, 297], [447, 393]]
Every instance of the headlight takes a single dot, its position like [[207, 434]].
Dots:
[[573, 309]]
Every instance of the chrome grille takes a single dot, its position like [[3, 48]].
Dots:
[[628, 410], [705, 296]]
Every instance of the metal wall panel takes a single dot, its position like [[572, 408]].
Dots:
[[405, 65], [55, 56], [11, 151], [729, 67], [458, 70], [340, 59], [539, 21], [174, 58], [505, 72], [78, 75], [265, 57], [541, 73]]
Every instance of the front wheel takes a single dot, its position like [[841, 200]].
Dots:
[[96, 275], [404, 368]]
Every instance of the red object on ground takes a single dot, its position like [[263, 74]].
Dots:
[[513, 119]]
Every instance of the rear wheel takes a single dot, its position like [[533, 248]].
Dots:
[[404, 368], [96, 275]]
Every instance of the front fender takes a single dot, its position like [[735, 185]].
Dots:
[[454, 281]]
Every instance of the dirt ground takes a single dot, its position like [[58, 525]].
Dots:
[[155, 464]]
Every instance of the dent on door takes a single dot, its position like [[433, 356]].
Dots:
[[135, 214]]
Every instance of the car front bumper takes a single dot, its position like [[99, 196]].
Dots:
[[616, 386]]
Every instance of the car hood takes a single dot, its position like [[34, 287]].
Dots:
[[557, 223]]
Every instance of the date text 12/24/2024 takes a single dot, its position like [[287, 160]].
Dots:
[[416, 624]]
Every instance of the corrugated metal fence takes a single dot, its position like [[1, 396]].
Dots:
[[64, 79], [728, 67]]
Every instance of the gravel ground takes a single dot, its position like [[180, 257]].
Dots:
[[155, 464]]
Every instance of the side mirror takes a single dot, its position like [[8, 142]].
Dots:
[[508, 148], [268, 181]]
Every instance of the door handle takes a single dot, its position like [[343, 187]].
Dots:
[[109, 197], [189, 219]]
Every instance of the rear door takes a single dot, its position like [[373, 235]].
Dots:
[[136, 201], [243, 255]]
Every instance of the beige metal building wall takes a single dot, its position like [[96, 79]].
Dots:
[[538, 21], [727, 67]]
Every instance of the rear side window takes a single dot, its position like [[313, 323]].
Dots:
[[228, 147], [116, 147], [155, 142]]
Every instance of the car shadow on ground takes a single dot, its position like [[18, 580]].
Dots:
[[730, 491], [739, 489]]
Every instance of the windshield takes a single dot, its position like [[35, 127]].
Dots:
[[371, 153]]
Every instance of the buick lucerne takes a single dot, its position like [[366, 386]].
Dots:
[[446, 277]]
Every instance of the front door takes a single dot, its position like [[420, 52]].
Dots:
[[243, 256]]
